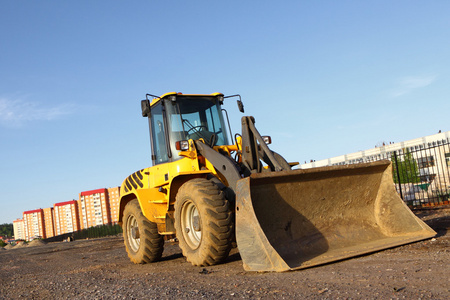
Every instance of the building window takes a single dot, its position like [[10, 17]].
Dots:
[[425, 162], [447, 159]]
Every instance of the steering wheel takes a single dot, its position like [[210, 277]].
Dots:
[[196, 128]]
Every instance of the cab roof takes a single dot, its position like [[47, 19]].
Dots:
[[156, 100]]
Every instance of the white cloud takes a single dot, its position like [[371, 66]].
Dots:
[[18, 112], [408, 84]]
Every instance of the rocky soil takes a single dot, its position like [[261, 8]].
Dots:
[[100, 269]]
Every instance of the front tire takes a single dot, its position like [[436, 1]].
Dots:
[[142, 241], [203, 222]]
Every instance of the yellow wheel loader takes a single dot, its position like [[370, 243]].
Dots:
[[209, 191]]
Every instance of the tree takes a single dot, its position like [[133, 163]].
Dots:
[[6, 230], [408, 171]]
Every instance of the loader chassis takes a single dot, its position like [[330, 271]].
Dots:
[[175, 195], [208, 192]]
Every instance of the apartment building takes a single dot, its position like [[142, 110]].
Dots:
[[94, 208], [114, 198], [49, 222], [420, 148], [33, 221], [430, 161], [66, 217], [19, 231]]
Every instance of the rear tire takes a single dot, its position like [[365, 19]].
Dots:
[[203, 222], [142, 241]]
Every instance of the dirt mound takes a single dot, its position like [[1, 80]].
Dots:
[[9, 246], [36, 243], [20, 245]]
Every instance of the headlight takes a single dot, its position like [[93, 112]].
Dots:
[[182, 145], [267, 139]]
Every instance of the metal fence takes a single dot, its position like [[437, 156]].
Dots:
[[421, 173], [98, 231]]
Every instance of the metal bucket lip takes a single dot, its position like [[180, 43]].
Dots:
[[257, 249], [376, 164], [364, 249], [319, 173]]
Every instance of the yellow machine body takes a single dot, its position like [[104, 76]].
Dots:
[[156, 187], [290, 219]]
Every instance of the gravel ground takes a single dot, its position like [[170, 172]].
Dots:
[[100, 269]]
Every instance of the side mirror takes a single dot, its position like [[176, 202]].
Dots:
[[145, 107], [240, 106]]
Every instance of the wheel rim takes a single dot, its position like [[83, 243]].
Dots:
[[191, 224], [133, 233]]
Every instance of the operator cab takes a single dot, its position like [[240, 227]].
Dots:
[[176, 117]]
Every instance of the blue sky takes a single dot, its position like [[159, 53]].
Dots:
[[323, 78]]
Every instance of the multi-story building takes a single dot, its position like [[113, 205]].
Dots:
[[66, 217], [49, 222], [94, 208], [33, 223], [386, 151], [114, 197], [19, 231], [429, 161]]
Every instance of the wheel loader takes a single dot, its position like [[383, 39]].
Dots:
[[211, 189]]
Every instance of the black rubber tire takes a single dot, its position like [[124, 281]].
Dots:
[[149, 245], [211, 243]]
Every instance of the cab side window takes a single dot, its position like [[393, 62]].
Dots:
[[159, 135]]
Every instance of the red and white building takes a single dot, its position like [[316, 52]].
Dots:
[[49, 222], [114, 198], [94, 208], [19, 230], [66, 217], [33, 223]]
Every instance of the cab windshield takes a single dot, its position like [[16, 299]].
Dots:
[[195, 118]]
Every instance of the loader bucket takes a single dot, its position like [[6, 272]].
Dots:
[[302, 218]]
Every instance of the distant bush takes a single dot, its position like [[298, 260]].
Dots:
[[97, 231], [2, 243], [6, 229]]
